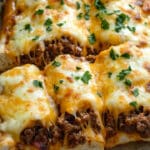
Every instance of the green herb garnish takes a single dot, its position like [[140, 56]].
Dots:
[[120, 20], [39, 12], [105, 24], [135, 92], [56, 88], [92, 38], [113, 55], [126, 55], [36, 38], [56, 63], [133, 104], [124, 73], [127, 82], [78, 5], [86, 77], [37, 83], [28, 27]]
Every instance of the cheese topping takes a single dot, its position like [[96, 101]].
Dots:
[[72, 84], [24, 96], [89, 24]]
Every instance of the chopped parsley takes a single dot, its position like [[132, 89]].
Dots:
[[61, 81], [87, 10], [56, 88], [120, 20], [27, 27], [48, 24], [62, 2], [132, 29], [127, 82], [113, 55], [109, 74], [78, 68], [56, 63], [124, 73], [48, 7], [135, 92], [39, 12], [92, 38], [105, 24], [132, 7], [79, 16], [126, 55], [86, 77], [36, 38], [99, 5], [76, 77], [61, 24], [78, 5], [37, 83], [133, 104], [86, 16]]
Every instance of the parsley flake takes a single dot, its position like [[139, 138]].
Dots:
[[62, 2], [48, 7], [37, 83], [79, 16], [132, 29], [127, 82], [120, 20], [92, 38], [36, 38], [132, 7], [124, 73], [126, 55], [27, 27], [135, 92], [56, 88], [109, 74], [86, 77], [105, 24], [99, 5], [48, 24], [78, 68], [113, 55], [61, 81], [78, 5], [61, 24], [39, 12], [56, 63], [133, 104]]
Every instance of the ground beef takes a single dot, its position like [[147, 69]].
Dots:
[[109, 123], [70, 127], [67, 127], [37, 136], [137, 121], [42, 55]]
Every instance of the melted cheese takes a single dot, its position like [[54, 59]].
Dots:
[[79, 29], [22, 102], [72, 94], [117, 95]]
